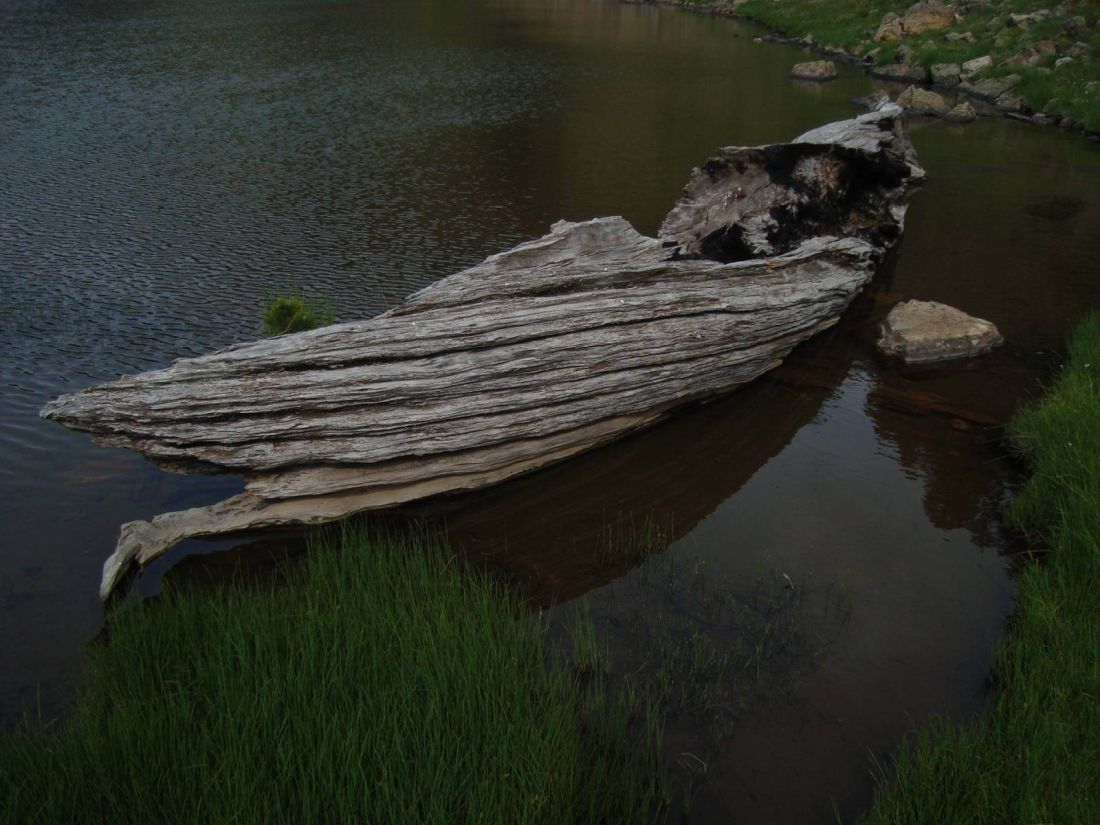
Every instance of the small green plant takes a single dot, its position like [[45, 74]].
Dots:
[[290, 313]]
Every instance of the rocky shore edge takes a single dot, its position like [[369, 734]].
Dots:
[[992, 95]]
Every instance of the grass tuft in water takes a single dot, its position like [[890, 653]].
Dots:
[[384, 682], [1036, 756], [291, 313]]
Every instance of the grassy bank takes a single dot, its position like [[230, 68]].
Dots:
[[985, 28], [1036, 756], [384, 683]]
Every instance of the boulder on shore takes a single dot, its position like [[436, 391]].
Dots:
[[992, 87], [814, 70], [927, 16], [921, 17], [1026, 21], [1034, 54], [972, 67], [946, 74], [890, 29], [927, 332]]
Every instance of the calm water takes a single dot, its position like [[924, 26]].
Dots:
[[167, 166]]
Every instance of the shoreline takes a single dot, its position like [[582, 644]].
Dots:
[[732, 11]]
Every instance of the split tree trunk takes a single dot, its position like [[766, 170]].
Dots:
[[534, 355]]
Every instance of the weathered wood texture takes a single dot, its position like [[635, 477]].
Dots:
[[534, 355]]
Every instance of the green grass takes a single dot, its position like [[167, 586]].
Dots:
[[1036, 756], [839, 23], [851, 24], [384, 682], [291, 313]]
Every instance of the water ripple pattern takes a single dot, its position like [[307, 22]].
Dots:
[[166, 172]]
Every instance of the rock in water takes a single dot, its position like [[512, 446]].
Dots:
[[926, 332], [922, 102], [961, 113], [814, 70], [538, 353]]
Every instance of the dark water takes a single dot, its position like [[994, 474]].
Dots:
[[167, 166]]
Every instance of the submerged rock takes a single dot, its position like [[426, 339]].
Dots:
[[814, 70], [927, 332]]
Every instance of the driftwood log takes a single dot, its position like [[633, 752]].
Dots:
[[537, 354]]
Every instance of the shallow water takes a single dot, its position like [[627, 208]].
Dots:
[[168, 166]]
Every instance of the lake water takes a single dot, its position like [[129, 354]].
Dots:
[[168, 166]]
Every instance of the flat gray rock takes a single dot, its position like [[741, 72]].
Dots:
[[926, 332], [972, 67], [992, 87]]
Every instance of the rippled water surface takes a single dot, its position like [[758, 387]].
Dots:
[[167, 166]]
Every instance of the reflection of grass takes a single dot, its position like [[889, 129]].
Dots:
[[386, 683], [706, 653], [1036, 756], [729, 651], [627, 540], [695, 654]]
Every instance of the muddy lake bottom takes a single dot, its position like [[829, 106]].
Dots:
[[834, 530]]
